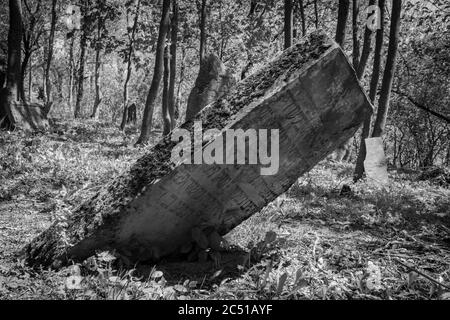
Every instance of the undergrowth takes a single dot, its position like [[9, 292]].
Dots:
[[313, 242]]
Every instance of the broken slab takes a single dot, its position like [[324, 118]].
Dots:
[[309, 93]]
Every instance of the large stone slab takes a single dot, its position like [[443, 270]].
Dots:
[[309, 93]]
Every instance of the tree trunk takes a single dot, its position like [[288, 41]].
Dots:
[[389, 70], [71, 71], [129, 61], [343, 11], [167, 123], [302, 16], [359, 169], [288, 23], [157, 75], [23, 71], [202, 30], [367, 48], [151, 210], [11, 92], [173, 64], [98, 48], [316, 14], [83, 45], [97, 99], [50, 53], [355, 30]]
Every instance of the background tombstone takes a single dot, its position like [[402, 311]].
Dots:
[[375, 163]]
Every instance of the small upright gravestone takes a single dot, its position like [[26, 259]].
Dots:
[[375, 164], [213, 81]]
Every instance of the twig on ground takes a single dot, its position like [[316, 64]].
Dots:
[[422, 274]]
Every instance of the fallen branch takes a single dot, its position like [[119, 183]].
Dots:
[[422, 274]]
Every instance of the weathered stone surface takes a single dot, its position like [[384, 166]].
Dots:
[[213, 81], [310, 93], [375, 164]]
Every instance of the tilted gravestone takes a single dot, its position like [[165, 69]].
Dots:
[[309, 93]]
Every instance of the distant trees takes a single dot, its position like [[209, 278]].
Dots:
[[128, 60], [122, 51]]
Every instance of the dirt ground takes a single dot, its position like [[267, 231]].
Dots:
[[314, 242]]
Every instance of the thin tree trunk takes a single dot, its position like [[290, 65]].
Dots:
[[288, 23], [129, 61], [71, 71], [98, 98], [367, 48], [173, 63], [157, 75], [11, 91], [302, 16], [30, 79], [180, 82], [165, 95], [98, 48], [50, 54], [23, 71], [83, 45], [202, 31], [389, 70], [343, 12], [341, 27], [359, 169], [316, 14], [355, 30]]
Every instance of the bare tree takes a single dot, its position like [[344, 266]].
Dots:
[[157, 75]]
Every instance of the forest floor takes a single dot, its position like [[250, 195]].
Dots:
[[314, 242]]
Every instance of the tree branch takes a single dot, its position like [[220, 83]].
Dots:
[[421, 106]]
